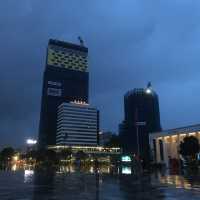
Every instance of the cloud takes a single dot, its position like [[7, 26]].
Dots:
[[130, 43]]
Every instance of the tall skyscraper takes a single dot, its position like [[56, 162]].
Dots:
[[65, 79], [142, 116], [77, 124]]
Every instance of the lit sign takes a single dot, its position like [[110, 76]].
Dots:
[[54, 83], [140, 123], [30, 141], [126, 159], [79, 102], [126, 170], [54, 92]]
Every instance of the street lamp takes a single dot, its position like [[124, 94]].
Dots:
[[31, 144], [138, 123], [15, 158], [31, 141]]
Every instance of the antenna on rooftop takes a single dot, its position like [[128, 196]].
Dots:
[[81, 41], [149, 85], [149, 88]]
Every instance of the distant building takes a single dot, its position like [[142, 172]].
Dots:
[[165, 144], [65, 79], [105, 137], [142, 116], [92, 150], [77, 125], [122, 132]]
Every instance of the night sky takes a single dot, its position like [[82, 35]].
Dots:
[[130, 43]]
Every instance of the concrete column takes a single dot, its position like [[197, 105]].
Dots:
[[158, 150], [165, 152], [199, 136], [178, 144]]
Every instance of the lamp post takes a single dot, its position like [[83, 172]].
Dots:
[[138, 124], [31, 144]]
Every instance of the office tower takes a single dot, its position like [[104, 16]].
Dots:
[[77, 124], [142, 116], [65, 79]]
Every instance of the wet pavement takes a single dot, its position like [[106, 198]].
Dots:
[[104, 184]]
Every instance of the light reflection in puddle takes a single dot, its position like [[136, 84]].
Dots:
[[28, 175], [126, 170], [14, 167], [179, 182], [96, 183]]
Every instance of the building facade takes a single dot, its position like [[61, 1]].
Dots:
[[77, 125], [165, 144], [142, 116], [105, 137], [93, 150], [65, 79]]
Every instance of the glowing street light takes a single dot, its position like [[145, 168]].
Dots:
[[15, 158], [31, 142]]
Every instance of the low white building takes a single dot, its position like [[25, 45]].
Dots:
[[77, 124], [165, 144]]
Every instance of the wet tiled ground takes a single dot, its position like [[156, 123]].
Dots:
[[64, 185]]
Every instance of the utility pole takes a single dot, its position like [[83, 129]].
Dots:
[[138, 124], [138, 141]]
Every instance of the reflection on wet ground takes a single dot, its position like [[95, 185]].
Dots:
[[106, 183]]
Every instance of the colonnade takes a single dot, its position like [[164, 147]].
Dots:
[[167, 146]]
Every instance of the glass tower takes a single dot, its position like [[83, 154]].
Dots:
[[142, 116]]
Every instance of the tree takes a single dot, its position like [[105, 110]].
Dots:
[[189, 147], [47, 156], [51, 156], [7, 153], [65, 153], [80, 155], [31, 154], [114, 141]]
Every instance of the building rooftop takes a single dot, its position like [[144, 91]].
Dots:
[[68, 45], [185, 129], [142, 91]]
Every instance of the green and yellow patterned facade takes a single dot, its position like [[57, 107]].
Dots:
[[67, 58]]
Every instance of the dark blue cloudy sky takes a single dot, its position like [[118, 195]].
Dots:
[[130, 43]]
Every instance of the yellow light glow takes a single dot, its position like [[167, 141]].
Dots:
[[79, 102], [14, 167], [15, 158], [174, 138], [192, 134]]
